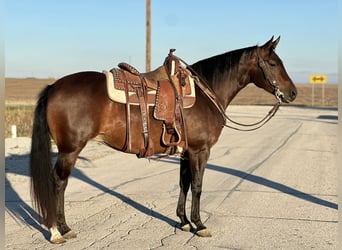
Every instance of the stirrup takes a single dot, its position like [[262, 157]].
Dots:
[[177, 135]]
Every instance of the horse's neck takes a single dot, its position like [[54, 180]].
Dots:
[[228, 89], [228, 85], [225, 81]]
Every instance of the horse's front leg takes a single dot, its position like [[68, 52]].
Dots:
[[198, 162], [184, 183]]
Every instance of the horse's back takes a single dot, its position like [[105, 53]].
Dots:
[[80, 83]]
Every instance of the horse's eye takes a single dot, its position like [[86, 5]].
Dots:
[[272, 62]]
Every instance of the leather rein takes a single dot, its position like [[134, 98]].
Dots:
[[203, 85]]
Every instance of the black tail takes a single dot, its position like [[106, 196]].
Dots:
[[42, 190]]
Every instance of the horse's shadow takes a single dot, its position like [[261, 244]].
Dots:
[[148, 211], [268, 183], [15, 206], [23, 213], [274, 185]]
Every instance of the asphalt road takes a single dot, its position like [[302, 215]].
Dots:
[[274, 188]]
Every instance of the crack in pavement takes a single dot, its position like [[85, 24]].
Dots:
[[162, 244]]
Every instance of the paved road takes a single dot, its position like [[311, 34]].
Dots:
[[274, 188]]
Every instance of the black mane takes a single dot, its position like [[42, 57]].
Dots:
[[218, 66]]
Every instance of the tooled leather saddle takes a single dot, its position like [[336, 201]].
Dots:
[[169, 89]]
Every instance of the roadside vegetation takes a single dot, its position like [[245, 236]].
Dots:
[[22, 117]]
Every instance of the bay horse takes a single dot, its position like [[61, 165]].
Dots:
[[76, 108]]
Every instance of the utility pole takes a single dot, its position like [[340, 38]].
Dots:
[[148, 35]]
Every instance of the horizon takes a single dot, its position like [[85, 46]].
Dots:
[[55, 79]]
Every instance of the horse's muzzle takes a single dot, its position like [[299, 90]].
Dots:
[[289, 96]]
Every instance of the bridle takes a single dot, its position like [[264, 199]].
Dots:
[[269, 78]]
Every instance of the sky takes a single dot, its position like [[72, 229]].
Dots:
[[55, 38]]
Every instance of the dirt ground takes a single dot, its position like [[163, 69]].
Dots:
[[25, 91]]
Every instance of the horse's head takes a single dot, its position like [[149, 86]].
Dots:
[[268, 72]]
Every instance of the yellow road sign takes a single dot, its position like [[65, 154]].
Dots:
[[318, 79]]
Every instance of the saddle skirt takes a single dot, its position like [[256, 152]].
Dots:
[[118, 79]]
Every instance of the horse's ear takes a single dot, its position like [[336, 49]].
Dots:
[[268, 44], [275, 43]]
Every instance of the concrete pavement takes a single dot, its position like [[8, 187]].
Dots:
[[274, 188]]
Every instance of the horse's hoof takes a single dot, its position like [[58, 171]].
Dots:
[[203, 233], [186, 228], [57, 239], [70, 235]]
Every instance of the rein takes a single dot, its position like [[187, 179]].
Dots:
[[203, 85]]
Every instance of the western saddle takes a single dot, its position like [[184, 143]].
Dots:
[[169, 88]]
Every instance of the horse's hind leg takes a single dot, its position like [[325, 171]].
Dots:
[[61, 172]]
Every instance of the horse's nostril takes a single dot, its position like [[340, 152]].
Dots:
[[294, 94]]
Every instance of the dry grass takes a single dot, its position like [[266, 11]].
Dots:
[[22, 117], [21, 96]]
